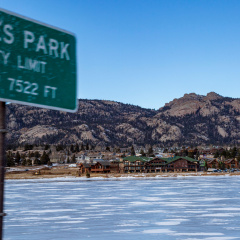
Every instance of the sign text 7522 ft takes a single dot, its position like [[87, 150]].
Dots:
[[37, 64]]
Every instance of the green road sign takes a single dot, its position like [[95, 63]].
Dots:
[[37, 64]]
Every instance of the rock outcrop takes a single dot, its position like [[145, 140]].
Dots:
[[192, 119]]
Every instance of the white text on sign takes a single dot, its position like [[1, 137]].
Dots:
[[25, 87]]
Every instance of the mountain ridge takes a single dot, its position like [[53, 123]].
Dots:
[[191, 119]]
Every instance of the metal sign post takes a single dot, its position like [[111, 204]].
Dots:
[[37, 68], [2, 162]]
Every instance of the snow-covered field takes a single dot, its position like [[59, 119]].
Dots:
[[189, 208]]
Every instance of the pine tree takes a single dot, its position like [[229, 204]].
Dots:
[[24, 162], [73, 160], [18, 157], [44, 158], [82, 147], [216, 155], [46, 147], [29, 162], [76, 148], [234, 152], [36, 154], [37, 161], [150, 152], [142, 153], [132, 151], [197, 155], [191, 154], [10, 161], [87, 146], [72, 148], [205, 166]]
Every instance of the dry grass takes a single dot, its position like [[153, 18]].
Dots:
[[34, 173]]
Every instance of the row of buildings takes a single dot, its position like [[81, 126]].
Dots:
[[134, 164], [217, 163]]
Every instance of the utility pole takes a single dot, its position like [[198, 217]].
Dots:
[[3, 132]]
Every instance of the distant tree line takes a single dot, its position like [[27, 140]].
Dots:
[[27, 159]]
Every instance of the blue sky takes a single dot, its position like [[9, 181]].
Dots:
[[147, 52]]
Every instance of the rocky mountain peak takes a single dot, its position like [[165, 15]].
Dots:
[[193, 103], [213, 96], [189, 96], [187, 104]]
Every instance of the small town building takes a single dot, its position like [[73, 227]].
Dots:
[[101, 167], [84, 168], [231, 163], [155, 165], [133, 164], [173, 164], [214, 163], [114, 166], [182, 164]]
